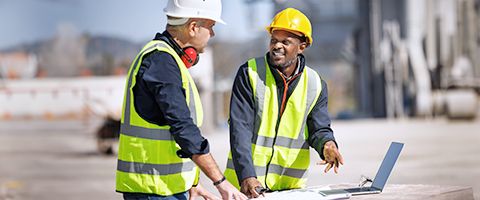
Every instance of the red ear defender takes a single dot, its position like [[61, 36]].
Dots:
[[190, 56]]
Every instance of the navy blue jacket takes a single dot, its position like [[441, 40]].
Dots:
[[242, 118], [160, 99]]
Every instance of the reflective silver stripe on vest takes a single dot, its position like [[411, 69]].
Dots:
[[146, 133], [274, 169], [277, 169], [191, 104], [154, 169], [311, 94], [298, 143], [260, 91]]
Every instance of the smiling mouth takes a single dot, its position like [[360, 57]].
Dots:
[[277, 54]]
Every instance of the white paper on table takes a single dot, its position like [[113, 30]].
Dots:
[[304, 194]]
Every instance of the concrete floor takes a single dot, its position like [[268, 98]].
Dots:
[[57, 160]]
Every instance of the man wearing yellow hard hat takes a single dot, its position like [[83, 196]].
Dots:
[[278, 111]]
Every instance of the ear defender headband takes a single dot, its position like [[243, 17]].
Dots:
[[189, 55]]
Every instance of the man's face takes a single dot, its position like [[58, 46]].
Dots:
[[284, 48], [201, 32]]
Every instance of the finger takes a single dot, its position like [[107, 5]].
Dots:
[[323, 162], [249, 196], [235, 196], [243, 196], [192, 193], [335, 168], [230, 196], [240, 196], [254, 193], [209, 195], [340, 158], [337, 156], [329, 166]]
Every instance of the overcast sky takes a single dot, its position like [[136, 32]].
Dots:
[[24, 21]]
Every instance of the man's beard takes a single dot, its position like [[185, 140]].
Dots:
[[281, 66]]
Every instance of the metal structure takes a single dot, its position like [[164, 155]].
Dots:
[[418, 58], [412, 58]]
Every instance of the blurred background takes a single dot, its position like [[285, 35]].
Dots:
[[397, 70]]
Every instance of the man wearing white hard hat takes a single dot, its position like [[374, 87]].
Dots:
[[161, 148]]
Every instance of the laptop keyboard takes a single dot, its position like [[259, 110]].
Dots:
[[363, 189]]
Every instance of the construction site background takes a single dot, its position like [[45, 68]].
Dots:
[[397, 70]]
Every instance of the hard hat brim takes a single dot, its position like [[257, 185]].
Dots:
[[297, 33], [219, 20], [270, 29]]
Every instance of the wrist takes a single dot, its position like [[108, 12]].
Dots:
[[331, 143], [216, 183], [247, 179]]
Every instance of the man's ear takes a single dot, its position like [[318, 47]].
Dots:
[[302, 47], [192, 25]]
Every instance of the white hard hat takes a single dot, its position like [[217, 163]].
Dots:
[[206, 9]]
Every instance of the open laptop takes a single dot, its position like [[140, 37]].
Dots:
[[380, 179]]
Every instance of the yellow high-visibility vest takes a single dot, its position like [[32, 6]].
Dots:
[[147, 158], [281, 158]]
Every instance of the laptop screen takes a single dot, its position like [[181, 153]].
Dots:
[[387, 165]]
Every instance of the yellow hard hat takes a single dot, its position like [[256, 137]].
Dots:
[[292, 19]]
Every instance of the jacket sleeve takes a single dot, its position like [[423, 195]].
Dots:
[[163, 80], [318, 123], [241, 125]]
